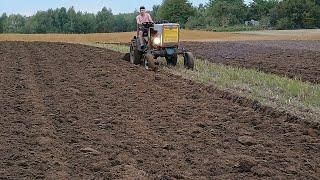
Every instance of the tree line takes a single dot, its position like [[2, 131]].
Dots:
[[275, 14], [62, 20]]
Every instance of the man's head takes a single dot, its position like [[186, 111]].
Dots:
[[142, 10]]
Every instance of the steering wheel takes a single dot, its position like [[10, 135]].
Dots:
[[161, 22], [147, 24]]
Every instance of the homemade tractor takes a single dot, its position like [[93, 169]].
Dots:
[[161, 39]]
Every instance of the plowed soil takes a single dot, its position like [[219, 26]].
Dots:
[[293, 59], [77, 112]]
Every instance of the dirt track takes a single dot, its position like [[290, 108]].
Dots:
[[299, 59], [71, 111]]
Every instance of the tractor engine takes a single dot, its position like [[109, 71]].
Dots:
[[166, 35]]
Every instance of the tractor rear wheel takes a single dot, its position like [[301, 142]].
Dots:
[[188, 60], [172, 60], [135, 55]]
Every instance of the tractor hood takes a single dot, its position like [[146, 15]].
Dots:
[[167, 34]]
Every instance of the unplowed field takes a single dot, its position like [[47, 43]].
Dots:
[[77, 112], [185, 35], [294, 59]]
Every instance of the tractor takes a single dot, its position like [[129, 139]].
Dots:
[[161, 39]]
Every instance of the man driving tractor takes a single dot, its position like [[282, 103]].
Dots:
[[143, 17], [157, 39]]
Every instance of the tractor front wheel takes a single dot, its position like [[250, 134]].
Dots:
[[188, 60], [172, 60], [135, 55]]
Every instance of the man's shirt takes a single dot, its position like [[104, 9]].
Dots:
[[145, 18]]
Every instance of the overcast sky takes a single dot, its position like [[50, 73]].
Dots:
[[29, 7]]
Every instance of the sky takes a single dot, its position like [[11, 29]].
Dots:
[[30, 7]]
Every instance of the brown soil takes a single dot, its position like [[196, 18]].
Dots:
[[77, 112], [294, 59]]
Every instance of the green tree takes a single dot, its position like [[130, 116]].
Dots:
[[71, 26], [41, 22], [105, 21], [120, 24], [177, 11], [61, 19], [154, 12], [299, 13], [87, 23], [284, 23], [2, 20], [14, 24], [131, 21], [259, 9], [125, 22], [37, 23], [199, 20], [227, 12], [52, 21]]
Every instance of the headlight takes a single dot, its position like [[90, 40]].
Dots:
[[157, 41]]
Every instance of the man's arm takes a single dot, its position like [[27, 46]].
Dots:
[[138, 20]]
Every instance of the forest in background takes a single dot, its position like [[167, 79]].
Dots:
[[216, 15]]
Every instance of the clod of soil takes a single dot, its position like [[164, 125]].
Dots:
[[246, 165], [247, 140], [90, 150]]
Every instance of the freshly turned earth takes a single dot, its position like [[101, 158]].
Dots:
[[78, 112], [293, 59]]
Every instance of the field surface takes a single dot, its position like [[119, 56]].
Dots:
[[185, 35], [73, 111], [294, 59]]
